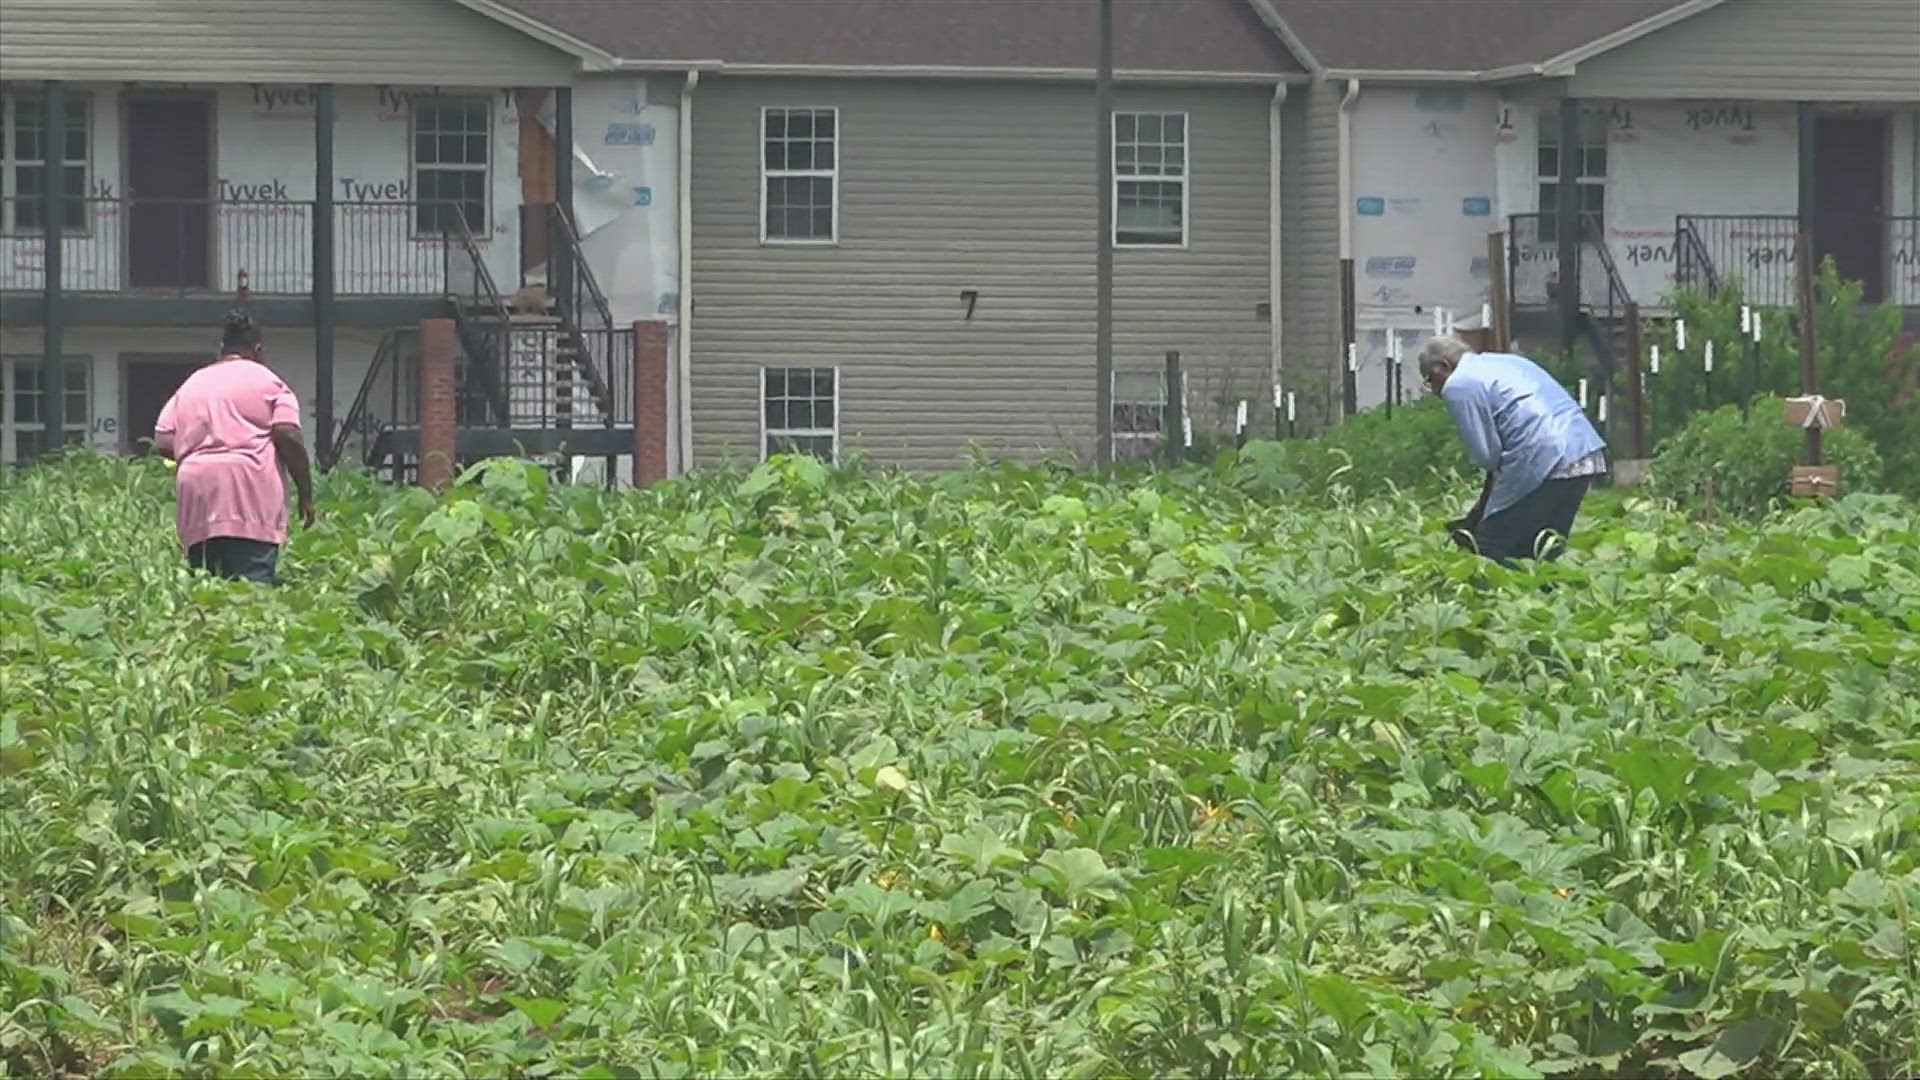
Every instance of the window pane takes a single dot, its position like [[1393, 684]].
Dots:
[[28, 144], [451, 149], [1149, 128], [1149, 212], [800, 224], [822, 154], [823, 413], [1176, 160], [476, 150], [800, 155], [73, 181], [776, 154], [775, 383], [776, 415], [1549, 130], [776, 124], [476, 116], [823, 124], [1594, 162], [799, 414], [76, 144], [426, 116], [823, 382], [1548, 162], [1176, 129], [1124, 128], [800, 125], [822, 224]]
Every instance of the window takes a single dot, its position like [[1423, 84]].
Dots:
[[801, 411], [24, 150], [450, 154], [26, 403], [1149, 179], [800, 176], [1140, 412], [1591, 169]]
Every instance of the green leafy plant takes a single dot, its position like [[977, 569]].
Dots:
[[1864, 358], [1415, 449], [811, 771], [1748, 457]]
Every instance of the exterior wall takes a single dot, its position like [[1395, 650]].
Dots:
[[1669, 158], [104, 352], [413, 43], [1773, 50], [263, 164], [1310, 255], [951, 187], [1424, 204]]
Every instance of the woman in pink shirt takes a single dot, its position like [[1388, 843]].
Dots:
[[232, 426]]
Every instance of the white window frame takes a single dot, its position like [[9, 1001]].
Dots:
[[414, 165], [768, 432], [767, 174], [10, 162], [10, 422], [1127, 436], [1184, 178], [1549, 126]]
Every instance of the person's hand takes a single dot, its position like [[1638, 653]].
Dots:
[[306, 513]]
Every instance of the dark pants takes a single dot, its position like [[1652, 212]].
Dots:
[[232, 557], [1536, 526]]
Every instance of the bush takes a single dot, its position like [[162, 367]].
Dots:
[[1750, 457], [1863, 355], [1370, 454]]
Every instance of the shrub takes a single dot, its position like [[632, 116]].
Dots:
[[1750, 457], [1370, 454], [1864, 358]]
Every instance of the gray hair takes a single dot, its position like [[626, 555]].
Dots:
[[1441, 352]]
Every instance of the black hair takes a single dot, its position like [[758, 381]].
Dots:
[[239, 331]]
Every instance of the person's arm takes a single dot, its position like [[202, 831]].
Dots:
[[285, 409], [293, 455], [163, 430], [1480, 506]]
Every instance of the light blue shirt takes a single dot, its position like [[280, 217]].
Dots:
[[1517, 422]]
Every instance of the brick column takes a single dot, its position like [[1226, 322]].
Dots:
[[651, 355], [438, 351]]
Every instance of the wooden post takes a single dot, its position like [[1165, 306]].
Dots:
[[1567, 225], [1636, 389], [53, 213], [1809, 358], [1497, 299], [1349, 379], [1103, 249]]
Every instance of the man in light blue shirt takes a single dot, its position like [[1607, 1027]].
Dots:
[[1534, 440]]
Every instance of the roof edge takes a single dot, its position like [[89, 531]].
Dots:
[[591, 57], [1564, 63], [1270, 15], [1010, 74]]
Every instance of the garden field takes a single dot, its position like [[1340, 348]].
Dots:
[[810, 773]]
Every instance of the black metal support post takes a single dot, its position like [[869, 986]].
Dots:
[[1103, 248], [560, 251], [1567, 224], [53, 218], [323, 264], [1173, 417]]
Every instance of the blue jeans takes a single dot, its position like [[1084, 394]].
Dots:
[[233, 557]]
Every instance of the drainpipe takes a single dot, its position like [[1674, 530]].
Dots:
[[1276, 287], [683, 350], [1346, 168]]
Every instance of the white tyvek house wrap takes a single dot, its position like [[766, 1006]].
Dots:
[[627, 195], [1424, 202]]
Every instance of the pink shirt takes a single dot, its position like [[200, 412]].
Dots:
[[219, 427]]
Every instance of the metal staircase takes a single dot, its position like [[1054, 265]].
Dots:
[[539, 373]]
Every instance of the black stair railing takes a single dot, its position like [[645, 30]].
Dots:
[[585, 316], [481, 315]]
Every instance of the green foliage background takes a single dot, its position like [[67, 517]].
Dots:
[[1750, 457], [804, 772]]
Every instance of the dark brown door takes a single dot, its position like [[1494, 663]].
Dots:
[[170, 185], [1850, 198], [149, 384]]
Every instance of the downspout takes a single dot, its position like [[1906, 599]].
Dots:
[[1276, 286], [1346, 168], [683, 352]]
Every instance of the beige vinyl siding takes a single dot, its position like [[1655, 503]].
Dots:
[[1310, 249], [402, 42], [946, 187], [1776, 50]]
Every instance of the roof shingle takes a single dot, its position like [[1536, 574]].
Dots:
[[1454, 35], [1201, 36]]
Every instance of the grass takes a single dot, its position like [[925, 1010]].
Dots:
[[802, 772]]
